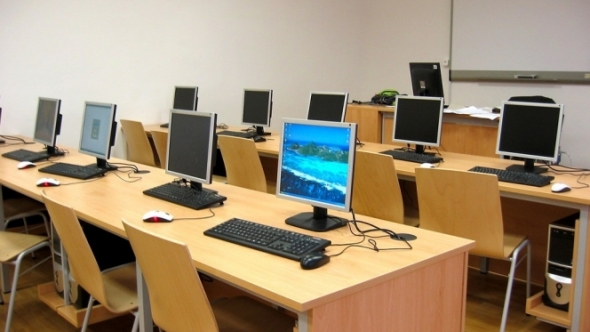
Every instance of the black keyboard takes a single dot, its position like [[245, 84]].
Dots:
[[185, 196], [75, 171], [413, 156], [269, 239], [526, 178], [26, 155], [164, 125], [242, 134]]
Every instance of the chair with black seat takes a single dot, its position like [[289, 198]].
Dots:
[[467, 204], [242, 163], [178, 300], [160, 139], [115, 288], [139, 149], [376, 189], [13, 247]]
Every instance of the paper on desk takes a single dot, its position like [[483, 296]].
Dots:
[[469, 110], [491, 116], [483, 113]]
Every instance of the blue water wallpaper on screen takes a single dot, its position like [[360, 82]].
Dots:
[[315, 162]]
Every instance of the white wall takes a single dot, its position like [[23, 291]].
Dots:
[[133, 52]]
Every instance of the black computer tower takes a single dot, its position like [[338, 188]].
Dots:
[[560, 254]]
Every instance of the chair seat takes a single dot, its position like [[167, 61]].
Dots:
[[121, 288], [511, 241], [241, 314], [12, 244]]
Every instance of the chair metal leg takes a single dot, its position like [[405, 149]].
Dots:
[[135, 327], [17, 273], [514, 261], [87, 316]]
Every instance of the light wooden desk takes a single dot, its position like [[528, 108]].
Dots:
[[526, 210], [420, 289]]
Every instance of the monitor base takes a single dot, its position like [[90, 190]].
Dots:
[[307, 221]]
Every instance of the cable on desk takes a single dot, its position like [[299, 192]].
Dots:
[[363, 234], [197, 218], [14, 138]]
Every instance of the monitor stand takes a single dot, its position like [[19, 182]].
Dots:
[[2, 141], [260, 131], [317, 221], [528, 167], [199, 187], [53, 151], [102, 163], [419, 150]]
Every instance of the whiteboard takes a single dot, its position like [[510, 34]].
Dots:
[[527, 37]]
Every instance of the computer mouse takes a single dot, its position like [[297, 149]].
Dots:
[[427, 165], [47, 182], [313, 260], [25, 164], [157, 216], [560, 187], [259, 139]]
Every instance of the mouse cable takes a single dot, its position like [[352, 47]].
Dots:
[[129, 173], [82, 181], [198, 218], [389, 232]]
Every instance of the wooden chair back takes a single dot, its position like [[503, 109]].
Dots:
[[139, 149], [181, 305], [376, 190], [160, 139], [83, 265], [464, 204], [242, 163]]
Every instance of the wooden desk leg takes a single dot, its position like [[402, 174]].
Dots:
[[144, 309], [4, 277], [579, 318]]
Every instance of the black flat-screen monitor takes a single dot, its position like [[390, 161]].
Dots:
[[327, 106], [530, 131], [192, 144], [257, 109], [185, 98], [426, 79], [48, 124], [418, 120], [99, 130], [316, 164]]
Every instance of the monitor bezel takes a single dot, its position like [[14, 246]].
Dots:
[[55, 122], [416, 142], [268, 110], [435, 76], [195, 99], [211, 149], [312, 93], [503, 151], [112, 133], [351, 158]]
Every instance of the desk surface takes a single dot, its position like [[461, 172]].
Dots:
[[104, 202]]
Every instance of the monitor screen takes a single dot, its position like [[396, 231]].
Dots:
[[191, 145], [48, 122], [327, 106], [418, 120], [426, 79], [316, 164], [185, 98], [257, 109], [98, 131], [531, 131]]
